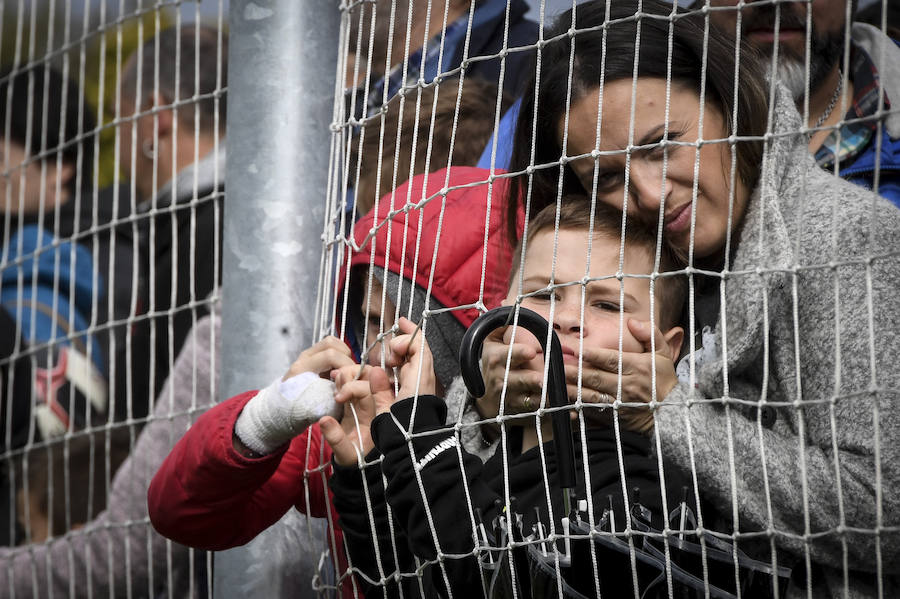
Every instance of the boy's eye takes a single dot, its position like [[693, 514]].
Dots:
[[542, 296], [608, 306]]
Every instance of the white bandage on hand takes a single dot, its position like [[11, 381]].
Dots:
[[283, 410]]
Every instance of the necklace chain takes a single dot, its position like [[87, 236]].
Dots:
[[834, 98]]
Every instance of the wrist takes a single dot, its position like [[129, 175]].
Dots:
[[242, 449], [282, 411], [489, 430]]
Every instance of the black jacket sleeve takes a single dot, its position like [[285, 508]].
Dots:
[[451, 488], [350, 486]]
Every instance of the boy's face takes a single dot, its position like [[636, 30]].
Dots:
[[601, 324], [379, 318]]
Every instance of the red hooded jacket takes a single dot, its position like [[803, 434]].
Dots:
[[451, 218], [207, 495]]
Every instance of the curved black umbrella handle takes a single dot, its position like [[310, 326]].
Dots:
[[470, 356]]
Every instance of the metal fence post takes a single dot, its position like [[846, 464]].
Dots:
[[282, 64]]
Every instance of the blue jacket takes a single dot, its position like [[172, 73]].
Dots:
[[488, 28], [862, 170], [49, 288]]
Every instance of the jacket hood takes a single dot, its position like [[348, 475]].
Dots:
[[437, 230], [34, 254], [885, 54], [53, 274]]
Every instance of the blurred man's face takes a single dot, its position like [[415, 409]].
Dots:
[[27, 183], [758, 24], [135, 162]]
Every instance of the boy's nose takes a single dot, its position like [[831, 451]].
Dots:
[[567, 316]]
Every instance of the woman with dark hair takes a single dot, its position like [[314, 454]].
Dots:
[[784, 410]]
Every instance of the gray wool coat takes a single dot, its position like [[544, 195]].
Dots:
[[809, 326]]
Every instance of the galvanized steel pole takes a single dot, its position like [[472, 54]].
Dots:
[[281, 81]]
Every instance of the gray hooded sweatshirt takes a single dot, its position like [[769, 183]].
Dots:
[[809, 325], [886, 56]]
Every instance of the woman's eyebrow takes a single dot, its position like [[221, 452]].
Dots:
[[653, 135]]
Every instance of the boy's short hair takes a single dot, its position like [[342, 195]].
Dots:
[[193, 61], [65, 128], [575, 214]]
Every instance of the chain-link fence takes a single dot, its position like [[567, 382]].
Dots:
[[114, 121], [604, 292]]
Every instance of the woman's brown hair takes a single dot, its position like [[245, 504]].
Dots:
[[702, 57]]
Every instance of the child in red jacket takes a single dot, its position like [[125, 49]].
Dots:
[[249, 459]]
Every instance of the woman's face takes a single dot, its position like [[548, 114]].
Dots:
[[651, 191]]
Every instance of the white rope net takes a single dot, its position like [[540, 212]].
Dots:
[[716, 254], [760, 429]]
